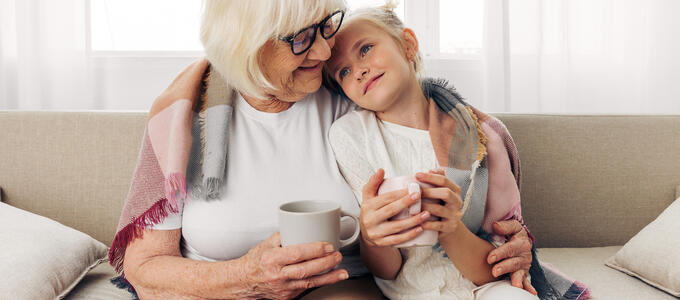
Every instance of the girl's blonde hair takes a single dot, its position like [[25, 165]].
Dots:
[[386, 20], [234, 31]]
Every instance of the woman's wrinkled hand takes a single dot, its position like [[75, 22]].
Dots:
[[276, 272], [376, 229], [514, 256], [449, 210]]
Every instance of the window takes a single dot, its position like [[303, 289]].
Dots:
[[460, 27], [354, 4], [145, 25], [446, 28]]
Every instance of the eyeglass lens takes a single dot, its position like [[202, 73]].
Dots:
[[303, 40]]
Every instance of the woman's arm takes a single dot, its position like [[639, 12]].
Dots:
[[154, 266]]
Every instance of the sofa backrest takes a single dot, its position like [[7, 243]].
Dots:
[[586, 180], [594, 180], [72, 167]]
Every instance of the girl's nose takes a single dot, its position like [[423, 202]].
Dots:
[[361, 73]]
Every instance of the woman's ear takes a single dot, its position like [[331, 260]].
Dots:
[[410, 41]]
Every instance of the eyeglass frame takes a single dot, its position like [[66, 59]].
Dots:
[[291, 38]]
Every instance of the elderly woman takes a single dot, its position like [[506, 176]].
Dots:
[[224, 148]]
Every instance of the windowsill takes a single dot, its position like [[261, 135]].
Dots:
[[146, 54]]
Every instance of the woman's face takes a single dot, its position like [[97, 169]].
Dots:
[[295, 76]]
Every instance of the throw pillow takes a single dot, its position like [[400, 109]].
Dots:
[[652, 254], [41, 258]]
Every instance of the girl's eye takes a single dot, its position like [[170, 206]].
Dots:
[[344, 72], [365, 49]]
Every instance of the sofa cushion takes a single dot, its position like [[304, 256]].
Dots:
[[652, 254], [96, 285], [42, 259], [587, 265]]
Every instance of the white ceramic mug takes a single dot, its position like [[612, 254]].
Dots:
[[311, 221], [427, 237]]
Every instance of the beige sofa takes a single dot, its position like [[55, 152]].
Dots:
[[589, 183]]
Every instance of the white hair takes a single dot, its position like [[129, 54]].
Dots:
[[234, 31]]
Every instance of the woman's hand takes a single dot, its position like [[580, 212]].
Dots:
[[514, 256], [276, 272], [376, 229], [449, 210]]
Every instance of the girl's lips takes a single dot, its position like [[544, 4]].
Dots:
[[310, 69], [372, 83]]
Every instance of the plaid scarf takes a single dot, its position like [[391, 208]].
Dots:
[[461, 146], [186, 140]]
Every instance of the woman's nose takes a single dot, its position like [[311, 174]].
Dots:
[[321, 49]]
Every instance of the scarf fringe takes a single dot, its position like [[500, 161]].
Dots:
[[154, 215], [212, 187], [481, 151], [578, 291], [586, 291], [539, 281], [175, 183], [122, 283]]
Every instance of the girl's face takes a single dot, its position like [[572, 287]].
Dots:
[[370, 66]]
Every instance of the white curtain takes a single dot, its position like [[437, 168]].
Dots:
[[582, 56], [540, 56], [43, 57]]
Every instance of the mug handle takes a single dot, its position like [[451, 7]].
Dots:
[[353, 238]]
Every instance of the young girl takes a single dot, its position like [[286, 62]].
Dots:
[[375, 62]]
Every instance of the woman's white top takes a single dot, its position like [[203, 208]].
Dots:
[[362, 144], [273, 158]]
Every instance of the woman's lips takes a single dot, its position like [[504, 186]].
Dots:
[[372, 83], [310, 68]]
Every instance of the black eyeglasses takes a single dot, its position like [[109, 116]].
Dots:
[[304, 39]]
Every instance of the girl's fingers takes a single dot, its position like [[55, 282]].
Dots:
[[394, 227], [370, 189], [436, 226], [397, 206], [382, 200], [439, 171], [395, 239], [445, 194], [438, 180], [442, 211]]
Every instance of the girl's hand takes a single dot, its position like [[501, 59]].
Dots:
[[376, 229], [449, 209], [276, 272]]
